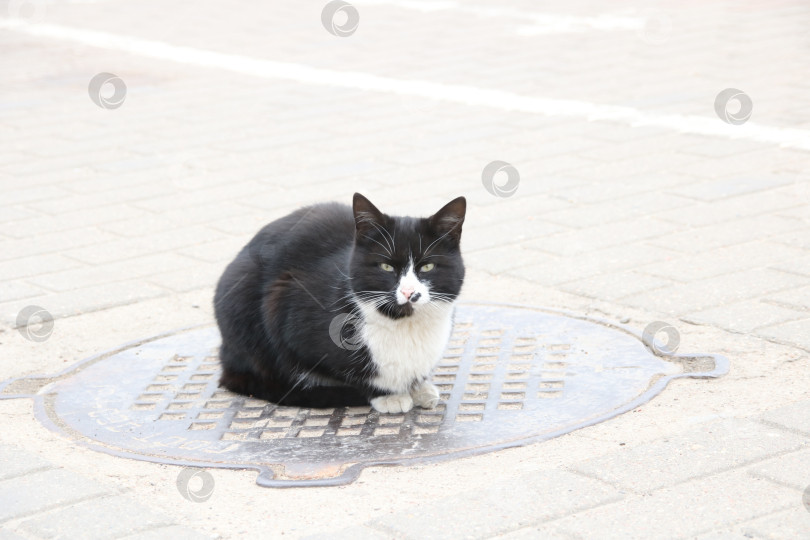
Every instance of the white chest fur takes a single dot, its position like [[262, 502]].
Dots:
[[408, 348]]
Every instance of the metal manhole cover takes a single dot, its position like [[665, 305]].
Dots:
[[510, 376]]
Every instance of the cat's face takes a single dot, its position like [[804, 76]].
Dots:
[[403, 265]]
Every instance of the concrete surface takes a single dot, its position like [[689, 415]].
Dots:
[[636, 202]]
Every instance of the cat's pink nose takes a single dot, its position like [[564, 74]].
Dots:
[[407, 292]]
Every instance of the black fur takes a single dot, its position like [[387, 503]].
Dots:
[[276, 301]]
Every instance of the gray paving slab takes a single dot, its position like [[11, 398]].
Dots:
[[42, 490], [685, 510], [796, 332], [756, 254], [789, 469], [9, 535], [96, 519], [745, 317], [614, 286], [683, 298], [799, 265], [351, 533], [728, 233], [84, 300], [708, 449], [795, 417], [791, 523], [614, 234], [734, 185], [700, 213], [798, 299], [539, 531], [525, 500], [15, 462], [174, 532]]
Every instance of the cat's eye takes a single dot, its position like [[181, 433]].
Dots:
[[387, 267], [427, 267]]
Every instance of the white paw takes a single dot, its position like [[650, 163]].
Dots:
[[425, 395], [395, 403]]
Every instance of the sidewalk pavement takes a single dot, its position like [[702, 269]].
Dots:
[[645, 193]]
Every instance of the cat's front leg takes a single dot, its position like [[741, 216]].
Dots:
[[425, 395], [392, 403]]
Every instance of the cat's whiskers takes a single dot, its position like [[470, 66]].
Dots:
[[383, 232], [390, 254], [347, 276], [427, 251]]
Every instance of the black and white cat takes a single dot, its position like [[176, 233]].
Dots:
[[333, 306]]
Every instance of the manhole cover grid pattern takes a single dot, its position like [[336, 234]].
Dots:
[[504, 370]]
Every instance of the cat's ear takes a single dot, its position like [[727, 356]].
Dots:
[[449, 219], [365, 214]]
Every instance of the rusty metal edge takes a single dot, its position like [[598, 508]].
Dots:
[[265, 477]]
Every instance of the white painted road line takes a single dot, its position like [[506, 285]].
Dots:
[[450, 93], [530, 23]]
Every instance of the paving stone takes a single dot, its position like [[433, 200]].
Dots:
[[713, 147], [174, 531], [32, 266], [538, 531], [788, 470], [700, 213], [70, 220], [196, 276], [613, 286], [716, 291], [685, 510], [501, 234], [796, 332], [795, 298], [709, 449], [797, 266], [15, 290], [98, 201], [8, 535], [219, 251], [596, 238], [645, 167], [791, 523], [686, 268], [733, 185], [554, 270], [148, 225], [501, 259], [39, 491], [799, 237], [13, 213], [108, 517], [30, 194], [169, 202], [629, 194], [635, 206], [745, 316], [17, 462], [170, 240], [526, 500], [204, 213], [488, 210], [728, 233], [84, 300], [50, 243], [351, 533], [117, 271], [795, 417]]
